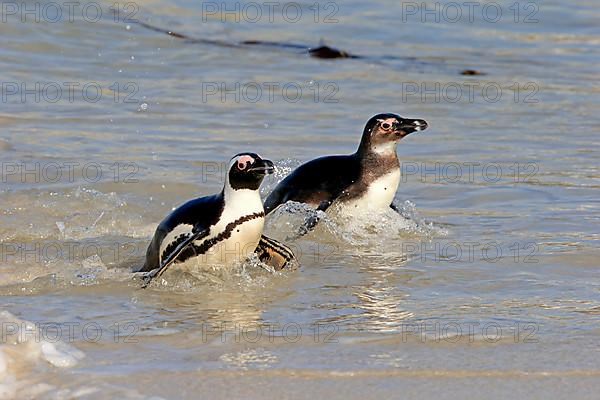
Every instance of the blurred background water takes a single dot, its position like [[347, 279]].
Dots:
[[495, 293]]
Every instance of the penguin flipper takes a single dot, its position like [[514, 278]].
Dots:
[[395, 208], [275, 254], [152, 252], [198, 233]]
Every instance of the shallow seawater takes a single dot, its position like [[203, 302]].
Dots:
[[487, 284]]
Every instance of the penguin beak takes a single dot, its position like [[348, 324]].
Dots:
[[408, 126], [265, 166]]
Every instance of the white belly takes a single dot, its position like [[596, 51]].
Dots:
[[378, 196], [235, 249], [244, 237], [230, 248]]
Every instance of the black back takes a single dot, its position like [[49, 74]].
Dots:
[[317, 182]]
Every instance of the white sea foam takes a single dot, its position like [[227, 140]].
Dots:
[[24, 348]]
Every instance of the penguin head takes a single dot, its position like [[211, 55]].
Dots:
[[247, 170], [388, 129]]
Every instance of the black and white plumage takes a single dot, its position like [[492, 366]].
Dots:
[[365, 180], [219, 230]]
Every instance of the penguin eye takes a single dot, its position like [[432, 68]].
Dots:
[[244, 162], [386, 126]]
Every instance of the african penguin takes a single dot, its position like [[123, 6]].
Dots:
[[219, 230], [352, 184]]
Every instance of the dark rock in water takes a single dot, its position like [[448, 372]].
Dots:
[[472, 72], [317, 52], [328, 52], [322, 51]]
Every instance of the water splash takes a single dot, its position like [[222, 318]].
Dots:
[[192, 275], [282, 169], [369, 228]]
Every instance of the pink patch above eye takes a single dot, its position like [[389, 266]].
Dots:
[[244, 161], [387, 123]]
